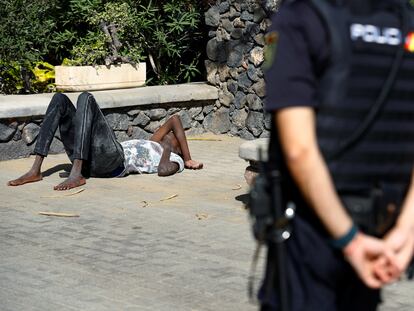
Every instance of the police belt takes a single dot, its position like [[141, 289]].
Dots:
[[375, 213]]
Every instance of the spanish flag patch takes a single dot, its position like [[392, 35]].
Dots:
[[271, 40], [409, 42]]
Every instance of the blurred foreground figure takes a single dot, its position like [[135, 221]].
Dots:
[[340, 89]]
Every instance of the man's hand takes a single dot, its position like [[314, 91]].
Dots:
[[364, 253]]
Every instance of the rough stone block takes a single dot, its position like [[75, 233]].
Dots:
[[256, 56], [239, 118], [212, 16], [216, 50], [245, 134], [139, 133], [30, 132], [195, 111], [254, 123], [218, 121], [6, 132], [240, 100], [56, 147], [227, 25], [118, 121], [260, 88], [153, 126], [254, 101], [141, 120], [157, 114], [121, 136], [235, 53], [225, 97], [207, 109], [185, 119], [14, 150]]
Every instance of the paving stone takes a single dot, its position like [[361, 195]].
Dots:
[[119, 255]]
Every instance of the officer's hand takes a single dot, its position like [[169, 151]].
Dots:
[[364, 253], [401, 241]]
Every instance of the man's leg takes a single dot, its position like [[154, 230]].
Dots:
[[32, 175], [177, 140], [95, 146], [60, 112]]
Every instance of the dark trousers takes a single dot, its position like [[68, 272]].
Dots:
[[319, 278], [84, 132]]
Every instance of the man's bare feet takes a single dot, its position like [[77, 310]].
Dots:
[[70, 183], [26, 178], [193, 165]]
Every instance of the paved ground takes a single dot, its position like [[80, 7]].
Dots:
[[129, 250]]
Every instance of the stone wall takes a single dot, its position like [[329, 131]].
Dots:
[[18, 136], [235, 52]]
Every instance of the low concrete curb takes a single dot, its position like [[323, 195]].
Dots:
[[18, 106], [253, 151], [249, 150]]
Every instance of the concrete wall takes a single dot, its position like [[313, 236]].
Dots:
[[235, 54], [132, 113]]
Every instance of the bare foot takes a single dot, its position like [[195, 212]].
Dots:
[[193, 165], [71, 182], [26, 178]]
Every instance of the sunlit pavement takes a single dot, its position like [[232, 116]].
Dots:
[[139, 243]]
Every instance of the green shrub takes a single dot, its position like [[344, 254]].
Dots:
[[11, 81], [26, 29], [172, 38], [166, 34], [16, 78], [121, 21]]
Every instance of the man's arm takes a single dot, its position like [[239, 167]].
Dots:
[[178, 140], [166, 167], [297, 133], [296, 128], [406, 218]]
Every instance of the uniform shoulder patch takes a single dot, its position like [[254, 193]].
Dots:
[[409, 42], [271, 39]]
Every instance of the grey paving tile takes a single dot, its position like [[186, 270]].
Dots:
[[119, 255]]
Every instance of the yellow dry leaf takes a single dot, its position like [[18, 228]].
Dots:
[[58, 214], [170, 197], [66, 194], [237, 187]]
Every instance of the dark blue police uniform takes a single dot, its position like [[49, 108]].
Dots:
[[337, 61]]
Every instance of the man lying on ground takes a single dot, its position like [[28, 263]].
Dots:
[[94, 151]]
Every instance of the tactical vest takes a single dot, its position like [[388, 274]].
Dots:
[[363, 51]]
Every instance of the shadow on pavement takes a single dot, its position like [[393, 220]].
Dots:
[[57, 168], [243, 198]]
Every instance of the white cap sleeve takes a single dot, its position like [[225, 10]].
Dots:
[[177, 159]]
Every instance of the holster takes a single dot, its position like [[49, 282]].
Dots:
[[376, 213]]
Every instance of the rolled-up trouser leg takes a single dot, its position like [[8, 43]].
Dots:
[[60, 112], [94, 140]]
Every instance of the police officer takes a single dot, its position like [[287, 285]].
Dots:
[[340, 89]]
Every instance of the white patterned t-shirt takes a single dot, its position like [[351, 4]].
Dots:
[[143, 156]]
